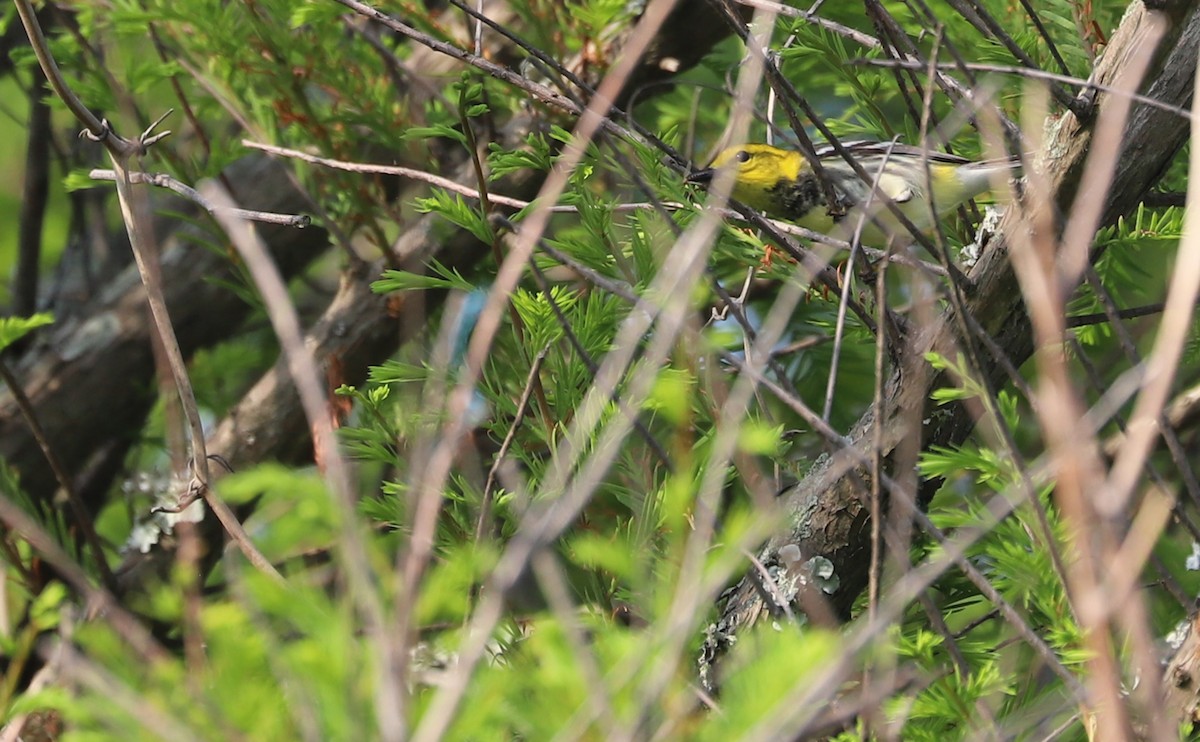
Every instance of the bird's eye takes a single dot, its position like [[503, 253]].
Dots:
[[742, 156]]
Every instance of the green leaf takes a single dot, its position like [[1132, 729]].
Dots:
[[396, 372], [431, 132], [761, 438], [671, 394], [13, 329], [79, 180], [454, 209], [396, 280]]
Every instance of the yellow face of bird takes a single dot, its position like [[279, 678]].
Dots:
[[758, 170]]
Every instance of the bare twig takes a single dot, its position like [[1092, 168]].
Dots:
[[83, 519], [848, 282], [98, 600], [515, 203], [489, 487], [306, 376], [545, 524], [130, 703], [1163, 362], [1037, 74], [1097, 318], [162, 180], [35, 191], [1157, 200], [97, 128], [135, 213], [979, 17]]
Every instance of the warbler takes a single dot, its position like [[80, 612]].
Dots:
[[782, 184]]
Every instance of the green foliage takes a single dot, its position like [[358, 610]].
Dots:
[[13, 329], [767, 684], [296, 511], [1133, 267], [873, 103], [274, 645], [622, 477], [456, 211], [441, 278], [536, 155]]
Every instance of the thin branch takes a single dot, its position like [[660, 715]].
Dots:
[[1158, 200], [1037, 74], [83, 519], [135, 214], [306, 376], [1099, 318], [453, 186], [1045, 34], [1163, 363], [535, 51], [162, 180], [844, 300], [977, 15], [489, 487], [545, 524], [99, 601], [35, 191], [593, 367], [99, 130]]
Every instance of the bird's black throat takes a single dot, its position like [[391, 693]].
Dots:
[[795, 198]]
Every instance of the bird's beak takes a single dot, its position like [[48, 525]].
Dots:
[[701, 177]]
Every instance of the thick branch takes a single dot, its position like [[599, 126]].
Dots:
[[89, 379]]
